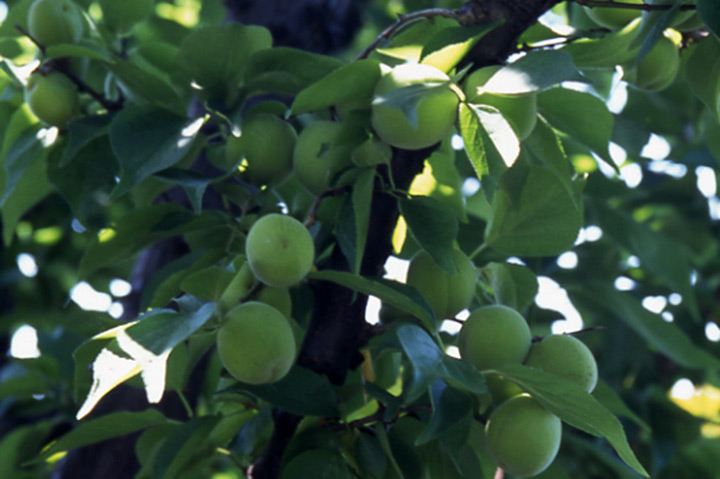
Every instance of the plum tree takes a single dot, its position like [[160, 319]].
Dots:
[[447, 294], [659, 68], [613, 17], [120, 17], [279, 250], [255, 343], [522, 437], [267, 143], [519, 110], [435, 106], [493, 336], [52, 22], [565, 356], [52, 97], [314, 162]]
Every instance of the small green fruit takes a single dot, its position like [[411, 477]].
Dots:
[[256, 344], [267, 143], [279, 249], [565, 356], [278, 298], [447, 294], [121, 16], [52, 22], [659, 68], [614, 18], [53, 98], [522, 437], [436, 108], [493, 336], [519, 110], [314, 162]]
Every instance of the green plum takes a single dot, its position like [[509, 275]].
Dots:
[[256, 343], [614, 18], [315, 164], [279, 250], [522, 437], [565, 356], [519, 110], [493, 336], [52, 22], [659, 68], [52, 97], [267, 143], [435, 108]]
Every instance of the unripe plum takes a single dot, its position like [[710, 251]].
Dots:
[[565, 356], [493, 336], [519, 110], [279, 250], [278, 298], [52, 22], [659, 68], [614, 18], [522, 437], [436, 108], [121, 16], [53, 98], [267, 143], [314, 163], [447, 294], [256, 343]]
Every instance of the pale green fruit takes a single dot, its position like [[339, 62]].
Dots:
[[53, 98], [52, 22], [614, 18], [256, 344], [121, 15], [436, 108], [279, 249], [493, 336], [267, 143], [447, 294], [501, 389], [519, 110], [278, 298], [314, 163], [659, 68], [565, 356], [522, 437]]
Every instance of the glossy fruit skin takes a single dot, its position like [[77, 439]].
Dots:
[[121, 16], [565, 356], [493, 336], [53, 98], [256, 344], [436, 109], [519, 110], [447, 294], [658, 69], [522, 437], [314, 163], [267, 143], [614, 18], [279, 250], [52, 22]]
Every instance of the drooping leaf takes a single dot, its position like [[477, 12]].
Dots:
[[83, 131], [450, 408], [434, 226]]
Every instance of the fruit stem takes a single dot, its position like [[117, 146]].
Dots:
[[479, 250]]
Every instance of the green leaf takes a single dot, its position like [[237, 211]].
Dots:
[[301, 391], [146, 140], [142, 85], [513, 285], [315, 464], [287, 71], [83, 131], [193, 183], [545, 146], [446, 48], [19, 157], [481, 152], [583, 116], [395, 294], [497, 128], [614, 403], [87, 50], [575, 406], [536, 71], [534, 214], [407, 98], [105, 427], [607, 51], [208, 283], [354, 82], [709, 11], [430, 363], [450, 408], [179, 448], [658, 253], [361, 200], [703, 72], [218, 75], [434, 226]]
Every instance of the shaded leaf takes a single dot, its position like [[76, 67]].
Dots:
[[434, 226]]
